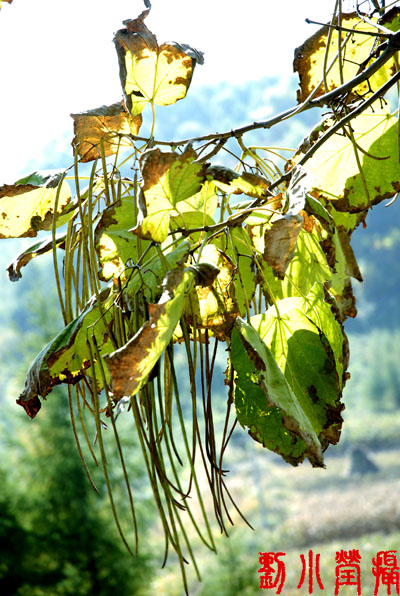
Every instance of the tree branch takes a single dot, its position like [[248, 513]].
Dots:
[[391, 46]]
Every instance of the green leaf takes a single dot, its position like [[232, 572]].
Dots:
[[371, 173], [308, 362], [237, 246], [319, 307], [310, 262], [130, 366], [34, 250], [205, 201], [266, 403], [168, 178], [155, 226], [106, 125], [147, 279], [66, 358], [116, 245], [344, 220], [151, 73], [28, 205]]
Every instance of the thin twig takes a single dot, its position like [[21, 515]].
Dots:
[[386, 33]]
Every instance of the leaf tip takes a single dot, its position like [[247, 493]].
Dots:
[[31, 405]]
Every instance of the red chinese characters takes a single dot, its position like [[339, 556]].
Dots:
[[310, 571], [273, 571], [347, 572], [386, 571]]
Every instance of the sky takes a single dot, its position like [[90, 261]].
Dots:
[[57, 58]]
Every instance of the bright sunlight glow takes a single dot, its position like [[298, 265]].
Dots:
[[58, 58]]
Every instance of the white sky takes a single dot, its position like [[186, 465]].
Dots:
[[57, 57]]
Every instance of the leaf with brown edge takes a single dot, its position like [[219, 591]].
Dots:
[[266, 403], [311, 56], [321, 309], [231, 182], [352, 268], [66, 359], [168, 178], [130, 366], [31, 406], [35, 250], [281, 238], [106, 124], [27, 206], [280, 243], [372, 171], [171, 176], [345, 264], [151, 73], [308, 362]]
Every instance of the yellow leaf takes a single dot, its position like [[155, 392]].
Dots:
[[371, 171], [214, 307], [149, 72], [130, 365], [28, 205], [311, 56]]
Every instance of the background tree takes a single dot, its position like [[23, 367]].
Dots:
[[56, 534]]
